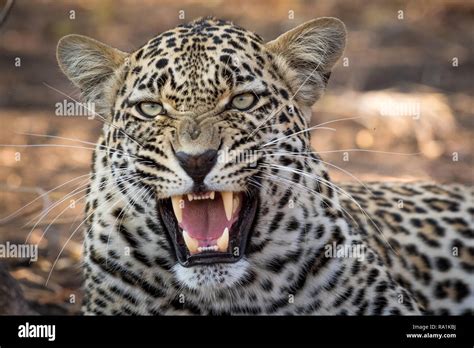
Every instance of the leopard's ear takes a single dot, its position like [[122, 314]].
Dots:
[[88, 63], [307, 54]]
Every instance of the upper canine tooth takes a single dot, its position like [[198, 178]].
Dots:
[[227, 198], [212, 194], [223, 241], [191, 243], [236, 203], [177, 208], [190, 197]]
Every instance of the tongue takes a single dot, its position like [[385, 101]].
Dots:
[[205, 220]]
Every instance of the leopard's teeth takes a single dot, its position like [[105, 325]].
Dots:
[[176, 201], [201, 196], [227, 198], [236, 203], [191, 243], [208, 248], [223, 241]]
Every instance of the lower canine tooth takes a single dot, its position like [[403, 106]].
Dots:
[[191, 243], [223, 241]]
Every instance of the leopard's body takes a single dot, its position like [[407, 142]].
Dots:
[[424, 233], [416, 251]]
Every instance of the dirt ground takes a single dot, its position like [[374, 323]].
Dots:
[[399, 104]]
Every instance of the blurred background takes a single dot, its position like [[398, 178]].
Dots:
[[401, 102]]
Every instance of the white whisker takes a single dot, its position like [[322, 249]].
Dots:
[[95, 113], [296, 133], [339, 189]]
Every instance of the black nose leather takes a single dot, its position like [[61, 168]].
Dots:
[[197, 166]]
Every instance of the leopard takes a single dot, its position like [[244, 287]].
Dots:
[[207, 198]]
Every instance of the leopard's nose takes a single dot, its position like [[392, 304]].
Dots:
[[197, 166]]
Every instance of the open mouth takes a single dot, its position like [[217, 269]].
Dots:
[[209, 227]]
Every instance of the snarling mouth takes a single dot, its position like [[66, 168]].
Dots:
[[209, 227]]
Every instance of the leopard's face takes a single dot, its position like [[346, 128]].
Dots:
[[194, 119]]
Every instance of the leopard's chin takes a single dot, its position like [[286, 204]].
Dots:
[[212, 277], [209, 228]]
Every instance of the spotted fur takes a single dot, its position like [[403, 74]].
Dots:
[[129, 264]]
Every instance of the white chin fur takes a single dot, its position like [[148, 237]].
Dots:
[[211, 277]]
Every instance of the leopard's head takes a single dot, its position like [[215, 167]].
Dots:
[[200, 119]]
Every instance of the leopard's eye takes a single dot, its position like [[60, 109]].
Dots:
[[244, 101], [150, 109]]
